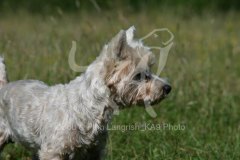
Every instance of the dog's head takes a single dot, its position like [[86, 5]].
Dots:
[[128, 72]]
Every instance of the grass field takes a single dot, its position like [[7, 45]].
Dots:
[[203, 68]]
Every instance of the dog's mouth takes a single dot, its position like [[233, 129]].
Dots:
[[164, 95], [158, 100], [147, 101]]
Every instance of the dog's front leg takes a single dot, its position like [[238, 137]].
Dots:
[[46, 155], [98, 152]]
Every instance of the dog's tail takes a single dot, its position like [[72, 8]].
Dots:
[[3, 73]]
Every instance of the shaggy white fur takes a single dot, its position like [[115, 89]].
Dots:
[[68, 121]]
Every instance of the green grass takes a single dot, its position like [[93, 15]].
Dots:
[[203, 68]]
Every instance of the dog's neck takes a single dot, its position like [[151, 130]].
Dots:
[[91, 92]]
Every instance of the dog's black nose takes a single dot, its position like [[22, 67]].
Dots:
[[167, 88]]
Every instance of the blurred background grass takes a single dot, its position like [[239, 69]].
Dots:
[[203, 67]]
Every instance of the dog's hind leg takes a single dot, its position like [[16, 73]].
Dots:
[[3, 142], [4, 132]]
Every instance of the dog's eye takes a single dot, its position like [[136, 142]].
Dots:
[[142, 76], [137, 77]]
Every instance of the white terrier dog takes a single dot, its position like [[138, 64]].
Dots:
[[68, 121]]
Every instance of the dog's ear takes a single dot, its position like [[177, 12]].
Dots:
[[130, 34], [117, 45]]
